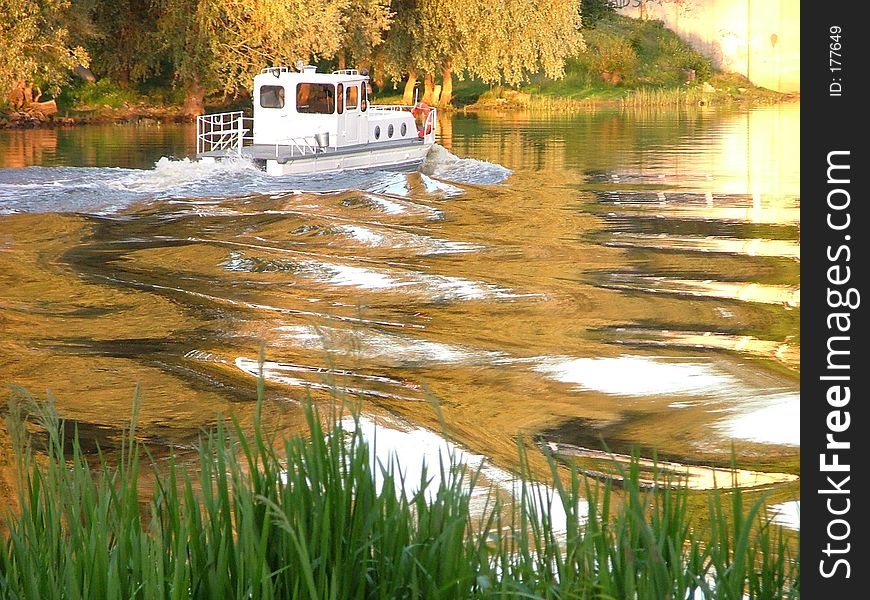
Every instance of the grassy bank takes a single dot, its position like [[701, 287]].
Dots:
[[627, 62], [255, 517]]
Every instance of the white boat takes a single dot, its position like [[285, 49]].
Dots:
[[308, 122]]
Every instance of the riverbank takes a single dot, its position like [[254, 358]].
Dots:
[[721, 91], [141, 113]]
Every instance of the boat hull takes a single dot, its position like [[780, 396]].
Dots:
[[406, 157]]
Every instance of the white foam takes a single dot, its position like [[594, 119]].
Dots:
[[173, 175], [108, 189], [441, 164]]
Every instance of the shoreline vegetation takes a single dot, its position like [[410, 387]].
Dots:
[[246, 515], [616, 61]]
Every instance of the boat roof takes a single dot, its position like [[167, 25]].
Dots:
[[308, 74]]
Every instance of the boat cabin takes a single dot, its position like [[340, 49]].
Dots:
[[309, 122], [290, 105]]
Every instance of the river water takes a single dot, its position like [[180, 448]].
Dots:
[[596, 281]]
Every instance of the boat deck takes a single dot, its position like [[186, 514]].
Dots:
[[281, 152]]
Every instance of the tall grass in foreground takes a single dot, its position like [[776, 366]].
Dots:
[[313, 521]]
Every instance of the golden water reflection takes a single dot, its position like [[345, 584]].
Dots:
[[634, 282]]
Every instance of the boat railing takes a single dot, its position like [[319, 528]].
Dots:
[[346, 72], [226, 132], [391, 107], [274, 70], [428, 125], [299, 146]]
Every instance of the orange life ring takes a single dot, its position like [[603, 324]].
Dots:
[[422, 109]]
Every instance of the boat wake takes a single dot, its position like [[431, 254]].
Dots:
[[442, 164], [105, 190]]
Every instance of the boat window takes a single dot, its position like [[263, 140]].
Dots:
[[352, 97], [340, 98], [272, 96], [364, 99], [377, 132], [404, 129], [318, 98], [390, 130]]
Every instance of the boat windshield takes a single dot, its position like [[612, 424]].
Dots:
[[318, 98], [272, 96]]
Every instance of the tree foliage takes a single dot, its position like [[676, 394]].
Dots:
[[497, 40], [217, 46], [35, 43], [222, 44], [365, 23], [124, 38], [595, 10]]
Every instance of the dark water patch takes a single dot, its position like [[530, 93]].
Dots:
[[675, 225], [573, 437], [724, 267]]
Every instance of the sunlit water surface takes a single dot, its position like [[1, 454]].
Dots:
[[600, 281]]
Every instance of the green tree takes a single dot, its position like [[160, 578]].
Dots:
[[365, 22], [400, 53], [36, 45], [124, 39], [219, 45], [492, 40], [595, 10], [528, 36]]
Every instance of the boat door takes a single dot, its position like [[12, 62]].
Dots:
[[349, 120], [271, 113]]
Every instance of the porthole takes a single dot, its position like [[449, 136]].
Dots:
[[377, 132], [404, 129], [390, 130]]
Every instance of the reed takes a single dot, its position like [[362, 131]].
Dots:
[[646, 96], [253, 517]]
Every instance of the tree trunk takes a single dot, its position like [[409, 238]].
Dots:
[[194, 101], [122, 77], [342, 60], [447, 84], [408, 96], [20, 94], [429, 89]]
